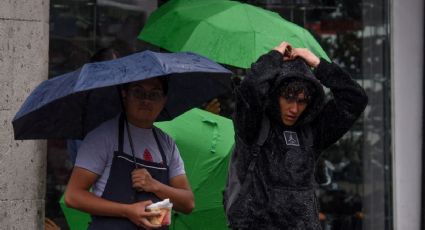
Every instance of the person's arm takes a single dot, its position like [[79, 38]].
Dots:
[[348, 102], [253, 91], [77, 196], [50, 225], [179, 191]]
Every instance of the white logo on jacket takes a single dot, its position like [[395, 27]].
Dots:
[[291, 138]]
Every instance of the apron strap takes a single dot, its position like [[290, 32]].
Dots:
[[122, 122], [121, 141], [161, 150], [121, 134]]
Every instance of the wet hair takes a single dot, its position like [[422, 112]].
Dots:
[[292, 88]]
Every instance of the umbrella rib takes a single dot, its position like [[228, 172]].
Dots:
[[250, 24], [198, 23], [247, 16], [157, 61]]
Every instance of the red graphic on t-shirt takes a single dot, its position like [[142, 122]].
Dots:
[[147, 156]]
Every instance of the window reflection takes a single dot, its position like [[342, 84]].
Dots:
[[355, 191]]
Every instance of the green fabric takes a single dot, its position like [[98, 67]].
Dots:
[[76, 220], [227, 32], [205, 141]]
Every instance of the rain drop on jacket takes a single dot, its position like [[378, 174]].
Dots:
[[282, 195]]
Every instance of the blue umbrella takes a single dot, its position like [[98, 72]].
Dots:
[[70, 105]]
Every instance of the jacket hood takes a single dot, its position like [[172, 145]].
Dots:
[[292, 70]]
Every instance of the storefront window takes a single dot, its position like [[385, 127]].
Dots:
[[356, 193]]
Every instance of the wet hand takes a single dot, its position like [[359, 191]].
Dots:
[[213, 106], [137, 214], [50, 225], [143, 181], [285, 49], [311, 59]]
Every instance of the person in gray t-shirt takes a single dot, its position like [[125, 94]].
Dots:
[[129, 164], [96, 152]]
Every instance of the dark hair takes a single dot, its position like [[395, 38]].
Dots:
[[162, 79], [292, 88], [104, 55]]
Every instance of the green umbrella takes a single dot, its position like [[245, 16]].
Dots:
[[76, 219], [205, 141], [228, 32]]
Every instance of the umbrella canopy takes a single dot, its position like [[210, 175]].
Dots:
[[205, 141], [76, 220], [71, 105], [228, 32]]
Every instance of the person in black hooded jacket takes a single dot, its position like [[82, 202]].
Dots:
[[282, 86]]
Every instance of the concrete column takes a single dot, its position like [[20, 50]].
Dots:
[[24, 39], [407, 77]]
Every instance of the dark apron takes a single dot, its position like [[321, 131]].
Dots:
[[119, 185]]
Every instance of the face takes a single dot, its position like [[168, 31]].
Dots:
[[292, 108], [143, 101]]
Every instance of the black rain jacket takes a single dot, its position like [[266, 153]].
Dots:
[[282, 195]]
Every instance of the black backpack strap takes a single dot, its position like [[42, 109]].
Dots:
[[264, 131], [262, 137], [236, 187]]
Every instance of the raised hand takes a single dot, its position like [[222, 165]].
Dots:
[[284, 48], [310, 58], [213, 106]]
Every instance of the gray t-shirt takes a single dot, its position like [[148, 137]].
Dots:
[[97, 150]]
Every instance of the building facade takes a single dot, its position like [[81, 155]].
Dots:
[[24, 42], [374, 170]]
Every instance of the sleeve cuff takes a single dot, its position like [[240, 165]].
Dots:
[[324, 69], [276, 56]]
